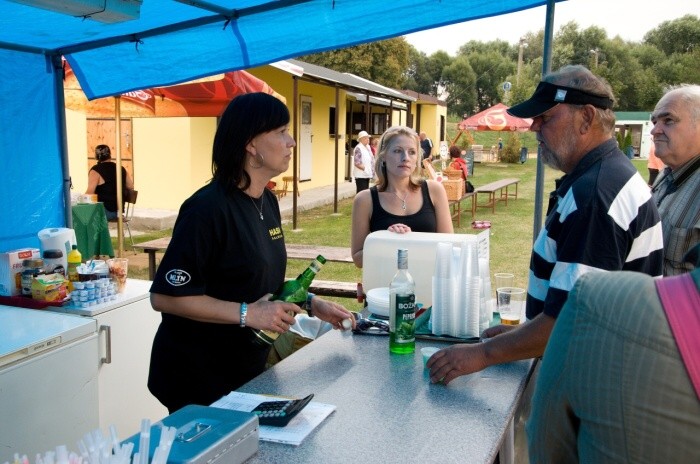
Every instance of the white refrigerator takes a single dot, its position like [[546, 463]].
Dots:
[[48, 380]]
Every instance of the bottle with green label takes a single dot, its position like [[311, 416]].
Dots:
[[293, 291], [402, 308]]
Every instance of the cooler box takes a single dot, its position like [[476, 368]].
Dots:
[[207, 435], [380, 252]]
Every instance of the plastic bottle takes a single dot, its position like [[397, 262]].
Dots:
[[292, 291], [402, 308], [75, 259]]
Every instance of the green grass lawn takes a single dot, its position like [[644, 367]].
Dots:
[[511, 227]]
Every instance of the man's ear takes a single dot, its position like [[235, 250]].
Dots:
[[588, 113]]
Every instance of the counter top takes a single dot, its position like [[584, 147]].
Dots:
[[387, 409], [134, 290]]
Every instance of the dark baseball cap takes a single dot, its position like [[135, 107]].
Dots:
[[548, 95]]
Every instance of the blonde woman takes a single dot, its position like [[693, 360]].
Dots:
[[400, 201]]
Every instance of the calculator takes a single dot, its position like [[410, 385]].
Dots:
[[279, 413]]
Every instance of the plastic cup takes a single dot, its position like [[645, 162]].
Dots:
[[503, 279], [427, 352], [118, 268], [511, 303]]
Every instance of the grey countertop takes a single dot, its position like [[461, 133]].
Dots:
[[387, 409]]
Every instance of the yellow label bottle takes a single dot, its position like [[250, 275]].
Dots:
[[74, 260]]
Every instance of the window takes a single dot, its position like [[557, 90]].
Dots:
[[331, 121]]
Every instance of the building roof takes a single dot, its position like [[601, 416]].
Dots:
[[641, 116]]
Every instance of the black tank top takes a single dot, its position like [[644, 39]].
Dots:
[[422, 221], [107, 192]]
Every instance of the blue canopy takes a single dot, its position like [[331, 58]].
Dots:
[[170, 42]]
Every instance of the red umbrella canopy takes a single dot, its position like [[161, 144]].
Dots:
[[495, 119], [203, 97]]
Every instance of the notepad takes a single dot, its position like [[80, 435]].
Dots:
[[293, 433]]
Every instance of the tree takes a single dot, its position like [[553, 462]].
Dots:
[[384, 62], [460, 79], [677, 36]]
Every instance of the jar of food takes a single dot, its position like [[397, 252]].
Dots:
[[31, 269], [53, 262]]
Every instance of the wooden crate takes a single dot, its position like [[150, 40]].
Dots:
[[454, 188]]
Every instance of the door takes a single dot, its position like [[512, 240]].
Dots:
[[305, 139], [101, 132]]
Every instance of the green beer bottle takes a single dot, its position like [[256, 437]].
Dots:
[[402, 308], [292, 291]]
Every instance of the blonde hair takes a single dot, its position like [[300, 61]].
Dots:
[[380, 164]]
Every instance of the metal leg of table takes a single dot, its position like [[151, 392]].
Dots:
[[151, 264], [506, 455]]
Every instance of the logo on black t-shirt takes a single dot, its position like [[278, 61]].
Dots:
[[177, 277]]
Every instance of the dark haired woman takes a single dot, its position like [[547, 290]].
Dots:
[[225, 258], [102, 180]]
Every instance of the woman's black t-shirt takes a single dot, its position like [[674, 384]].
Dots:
[[220, 247]]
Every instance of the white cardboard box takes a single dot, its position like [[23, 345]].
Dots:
[[11, 269]]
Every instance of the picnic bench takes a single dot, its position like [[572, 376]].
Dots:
[[493, 188], [333, 254], [456, 206]]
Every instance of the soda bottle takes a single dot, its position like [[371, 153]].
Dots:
[[292, 291], [75, 259], [402, 308]]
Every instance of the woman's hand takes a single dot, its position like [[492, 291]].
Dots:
[[333, 313], [276, 316], [399, 228]]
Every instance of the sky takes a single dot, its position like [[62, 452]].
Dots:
[[630, 19]]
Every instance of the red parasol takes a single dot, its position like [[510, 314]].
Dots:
[[495, 119]]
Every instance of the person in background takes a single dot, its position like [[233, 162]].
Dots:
[[373, 142], [456, 161], [612, 386], [600, 218], [426, 146], [676, 192], [654, 165], [102, 180], [401, 201], [225, 258], [363, 161]]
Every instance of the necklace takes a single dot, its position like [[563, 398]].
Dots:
[[262, 202], [403, 200]]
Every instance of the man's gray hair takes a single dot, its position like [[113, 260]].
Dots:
[[689, 94]]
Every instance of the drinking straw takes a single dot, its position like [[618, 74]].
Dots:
[[144, 441]]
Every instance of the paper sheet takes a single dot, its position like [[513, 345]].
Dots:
[[293, 433]]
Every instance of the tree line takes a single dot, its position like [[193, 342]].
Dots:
[[473, 80]]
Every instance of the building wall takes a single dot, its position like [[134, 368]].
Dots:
[[323, 143], [172, 156]]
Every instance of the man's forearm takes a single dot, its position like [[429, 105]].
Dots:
[[524, 342]]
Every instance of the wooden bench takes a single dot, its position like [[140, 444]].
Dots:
[[491, 189], [456, 206], [333, 254], [336, 289]]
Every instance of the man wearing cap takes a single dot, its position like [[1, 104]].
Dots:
[[426, 145], [364, 162], [676, 133], [601, 217]]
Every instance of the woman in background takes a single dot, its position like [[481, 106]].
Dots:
[[102, 180], [400, 201]]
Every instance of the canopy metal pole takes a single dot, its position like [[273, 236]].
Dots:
[[60, 109], [546, 68]]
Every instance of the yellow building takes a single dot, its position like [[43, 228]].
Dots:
[[170, 158]]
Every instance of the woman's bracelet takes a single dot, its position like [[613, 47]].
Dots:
[[307, 306], [244, 313]]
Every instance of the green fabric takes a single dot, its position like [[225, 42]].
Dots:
[[91, 230]]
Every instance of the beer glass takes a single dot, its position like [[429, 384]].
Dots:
[[511, 304]]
